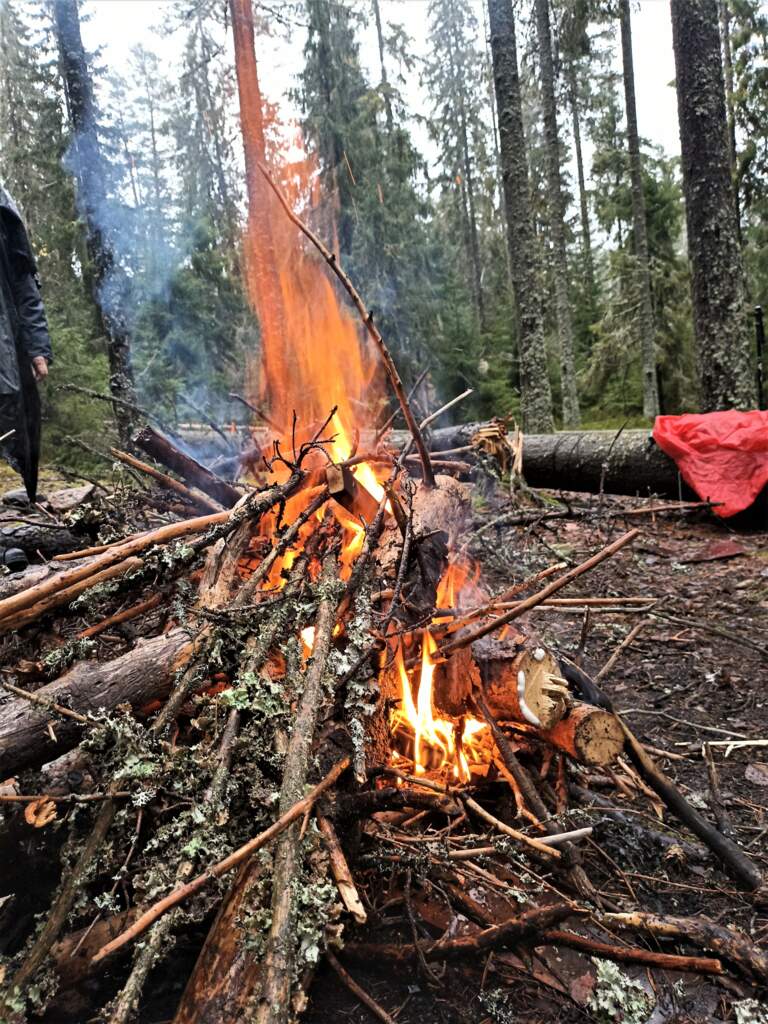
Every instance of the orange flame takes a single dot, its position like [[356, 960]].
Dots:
[[433, 737]]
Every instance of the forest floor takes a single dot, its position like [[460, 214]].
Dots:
[[695, 673]]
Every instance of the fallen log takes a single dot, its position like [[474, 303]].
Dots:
[[45, 539], [626, 463], [134, 678], [588, 734], [167, 454]]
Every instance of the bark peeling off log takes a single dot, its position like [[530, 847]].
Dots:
[[440, 516], [516, 681], [134, 678]]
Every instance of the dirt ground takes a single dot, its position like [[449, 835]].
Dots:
[[695, 674]]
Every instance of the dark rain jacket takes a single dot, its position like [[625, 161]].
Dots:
[[23, 335]]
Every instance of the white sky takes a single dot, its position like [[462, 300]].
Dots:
[[116, 26]]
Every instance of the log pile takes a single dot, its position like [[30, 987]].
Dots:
[[255, 777]]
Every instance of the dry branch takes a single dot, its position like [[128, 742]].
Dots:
[[167, 454], [273, 1002], [165, 481], [542, 595], [177, 896]]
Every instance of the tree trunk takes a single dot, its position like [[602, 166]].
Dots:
[[525, 264], [725, 39], [574, 460], [110, 285], [557, 214], [586, 236], [645, 320], [717, 282]]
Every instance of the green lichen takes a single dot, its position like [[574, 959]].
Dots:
[[617, 998], [499, 1005]]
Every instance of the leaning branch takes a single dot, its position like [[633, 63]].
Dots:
[[183, 892]]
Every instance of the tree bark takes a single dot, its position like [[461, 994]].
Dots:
[[725, 39], [166, 453], [110, 286], [578, 460], [45, 539], [557, 214], [645, 319], [718, 288], [524, 257], [134, 678]]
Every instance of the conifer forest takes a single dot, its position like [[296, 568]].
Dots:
[[383, 511]]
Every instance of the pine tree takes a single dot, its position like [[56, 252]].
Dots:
[[645, 319], [523, 245], [557, 217], [718, 286]]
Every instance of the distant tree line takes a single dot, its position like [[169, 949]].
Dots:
[[608, 294]]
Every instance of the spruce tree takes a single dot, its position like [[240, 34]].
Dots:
[[452, 75], [525, 264], [717, 282], [645, 318], [557, 207]]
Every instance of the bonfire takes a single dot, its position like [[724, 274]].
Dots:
[[337, 703]]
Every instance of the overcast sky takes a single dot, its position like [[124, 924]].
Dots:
[[116, 26]]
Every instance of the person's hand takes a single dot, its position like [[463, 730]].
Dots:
[[40, 367]]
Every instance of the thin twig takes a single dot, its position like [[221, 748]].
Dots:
[[540, 596], [361, 994]]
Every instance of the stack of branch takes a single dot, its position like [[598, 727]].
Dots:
[[225, 781]]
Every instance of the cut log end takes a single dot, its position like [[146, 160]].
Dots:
[[589, 735]]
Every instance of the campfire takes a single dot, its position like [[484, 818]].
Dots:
[[335, 701]]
